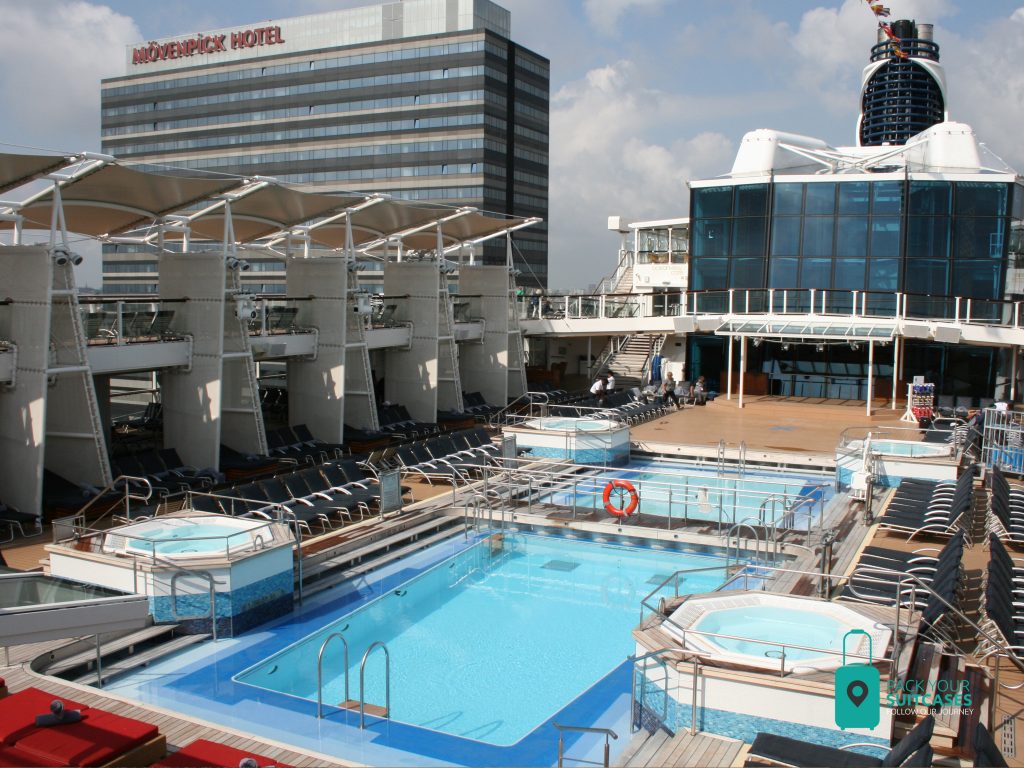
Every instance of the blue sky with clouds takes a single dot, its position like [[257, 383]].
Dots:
[[646, 94]]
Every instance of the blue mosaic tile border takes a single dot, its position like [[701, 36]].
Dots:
[[743, 726], [237, 610]]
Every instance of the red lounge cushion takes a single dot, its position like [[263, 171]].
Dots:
[[12, 758], [209, 754], [18, 712], [98, 738]]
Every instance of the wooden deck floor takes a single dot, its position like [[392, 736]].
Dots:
[[178, 729]]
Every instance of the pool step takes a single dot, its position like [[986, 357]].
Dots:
[[330, 572], [107, 648], [139, 660], [370, 709]]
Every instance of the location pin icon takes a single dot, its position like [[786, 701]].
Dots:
[[857, 692]]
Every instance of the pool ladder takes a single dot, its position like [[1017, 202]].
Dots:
[[348, 703]]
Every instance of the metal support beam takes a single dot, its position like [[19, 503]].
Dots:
[[728, 371], [871, 375], [895, 361], [743, 366]]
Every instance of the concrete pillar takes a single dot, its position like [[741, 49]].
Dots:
[[360, 394], [423, 378], [317, 387], [485, 366], [192, 398], [26, 323]]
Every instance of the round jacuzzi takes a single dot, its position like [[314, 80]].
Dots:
[[755, 629], [572, 424], [191, 536]]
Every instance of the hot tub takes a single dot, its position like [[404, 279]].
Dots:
[[185, 537], [579, 439], [755, 629]]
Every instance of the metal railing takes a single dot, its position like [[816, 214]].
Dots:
[[387, 681], [320, 671], [608, 733]]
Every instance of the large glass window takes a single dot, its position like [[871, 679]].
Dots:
[[852, 236], [928, 276], [817, 236], [712, 202], [710, 238], [849, 274], [783, 273], [930, 198], [816, 273], [928, 237], [853, 197], [785, 236], [976, 198], [821, 199], [752, 200], [980, 238], [748, 239], [885, 236], [788, 198], [886, 197], [710, 274]]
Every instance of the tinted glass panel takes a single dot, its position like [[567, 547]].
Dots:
[[980, 238], [853, 197], [752, 200], [821, 198], [785, 236], [849, 274], [711, 237], [886, 196], [748, 238], [1018, 201], [783, 273], [709, 273], [883, 274], [852, 236], [712, 202], [929, 276], [816, 273], [978, 279], [788, 198], [928, 237], [930, 197], [817, 236], [885, 236], [975, 198], [747, 273]]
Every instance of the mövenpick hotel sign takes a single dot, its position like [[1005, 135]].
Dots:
[[206, 44]]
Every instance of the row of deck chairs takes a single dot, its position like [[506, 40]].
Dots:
[[274, 400], [396, 420], [1005, 516], [102, 326], [298, 443], [1003, 607], [150, 420], [166, 473], [453, 457], [923, 507], [938, 579], [474, 403], [619, 405], [326, 495]]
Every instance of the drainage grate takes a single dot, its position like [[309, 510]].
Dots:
[[1009, 736], [561, 565]]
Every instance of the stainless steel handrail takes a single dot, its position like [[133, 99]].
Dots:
[[607, 732], [320, 670], [387, 681]]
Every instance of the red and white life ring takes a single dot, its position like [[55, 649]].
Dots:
[[623, 485]]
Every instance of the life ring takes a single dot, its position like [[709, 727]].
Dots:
[[634, 498]]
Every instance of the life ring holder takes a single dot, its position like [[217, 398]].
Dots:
[[634, 498]]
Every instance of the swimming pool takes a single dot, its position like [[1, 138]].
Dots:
[[490, 644], [545, 627], [572, 424], [687, 492]]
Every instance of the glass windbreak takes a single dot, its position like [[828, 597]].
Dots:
[[19, 591]]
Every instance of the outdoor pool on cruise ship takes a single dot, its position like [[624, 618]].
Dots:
[[687, 492], [487, 641]]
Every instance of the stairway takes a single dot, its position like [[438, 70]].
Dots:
[[625, 282], [630, 359]]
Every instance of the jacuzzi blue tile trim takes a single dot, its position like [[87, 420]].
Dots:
[[238, 610], [745, 727]]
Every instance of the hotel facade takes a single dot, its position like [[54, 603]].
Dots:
[[427, 101]]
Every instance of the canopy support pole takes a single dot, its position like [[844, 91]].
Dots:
[[895, 360], [743, 366], [1013, 374], [871, 375], [728, 375]]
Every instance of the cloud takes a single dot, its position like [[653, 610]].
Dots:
[[607, 159], [52, 58], [604, 15]]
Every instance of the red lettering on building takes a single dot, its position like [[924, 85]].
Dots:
[[205, 44]]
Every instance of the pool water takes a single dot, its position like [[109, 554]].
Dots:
[[908, 448], [691, 492], [573, 424], [774, 624], [492, 642], [187, 537]]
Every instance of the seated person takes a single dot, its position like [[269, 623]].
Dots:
[[698, 393], [668, 389]]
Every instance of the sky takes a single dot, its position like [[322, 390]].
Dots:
[[645, 94]]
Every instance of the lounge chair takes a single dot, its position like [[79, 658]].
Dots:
[[202, 752], [912, 750]]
